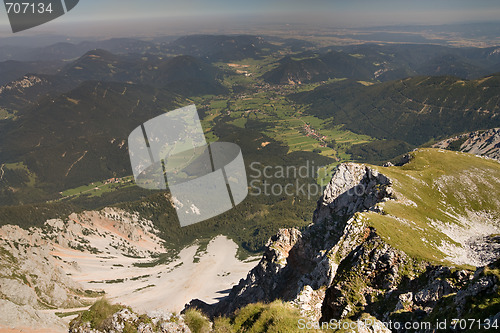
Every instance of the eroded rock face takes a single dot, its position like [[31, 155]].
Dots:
[[353, 188], [15, 316], [36, 265], [371, 268], [298, 267], [483, 143], [339, 268], [18, 292], [29, 274], [385, 282]]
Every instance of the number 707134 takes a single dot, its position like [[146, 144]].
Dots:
[[28, 8]]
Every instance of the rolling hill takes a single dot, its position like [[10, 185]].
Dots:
[[414, 110], [221, 47], [184, 74], [80, 136], [321, 68], [11, 70], [28, 89], [373, 62]]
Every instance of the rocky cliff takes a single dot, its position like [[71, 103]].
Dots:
[[39, 266], [298, 266], [391, 243], [484, 143], [103, 317]]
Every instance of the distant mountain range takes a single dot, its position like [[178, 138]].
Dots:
[[185, 75], [221, 48], [68, 51], [384, 63], [69, 127], [207, 47]]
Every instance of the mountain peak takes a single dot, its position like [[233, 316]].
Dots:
[[370, 237]]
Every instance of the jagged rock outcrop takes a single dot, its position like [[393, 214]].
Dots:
[[483, 143], [36, 265], [353, 188], [386, 282], [299, 266], [341, 268], [125, 320]]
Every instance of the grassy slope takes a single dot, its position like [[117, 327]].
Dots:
[[442, 186]]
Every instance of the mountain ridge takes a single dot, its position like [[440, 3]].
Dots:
[[483, 143], [414, 110], [381, 63], [90, 134], [346, 263]]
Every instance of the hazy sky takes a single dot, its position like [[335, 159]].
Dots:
[[124, 14], [377, 11]]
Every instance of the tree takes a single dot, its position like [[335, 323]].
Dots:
[[332, 144]]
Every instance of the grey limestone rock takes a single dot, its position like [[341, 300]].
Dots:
[[298, 266]]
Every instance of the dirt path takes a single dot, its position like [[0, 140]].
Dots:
[[78, 160]]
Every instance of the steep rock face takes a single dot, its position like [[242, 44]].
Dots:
[[385, 282], [15, 316], [376, 278], [341, 268], [396, 289], [483, 143], [299, 266], [39, 266], [29, 274], [353, 188]]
